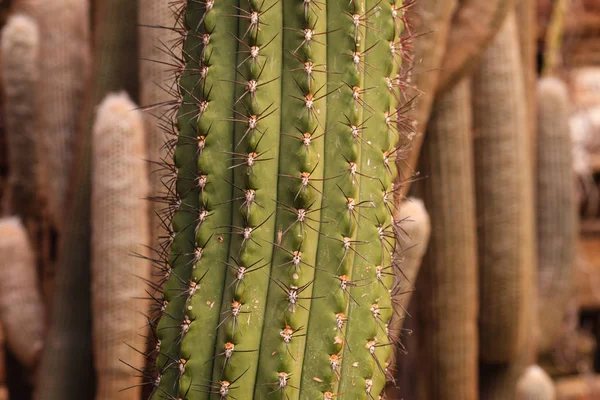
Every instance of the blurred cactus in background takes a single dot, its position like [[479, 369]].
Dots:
[[119, 225], [447, 298]]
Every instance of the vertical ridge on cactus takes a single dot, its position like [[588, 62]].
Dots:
[[278, 279], [119, 227]]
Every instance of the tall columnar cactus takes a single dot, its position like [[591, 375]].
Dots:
[[447, 285], [119, 226], [504, 185], [556, 209], [415, 226], [279, 278]]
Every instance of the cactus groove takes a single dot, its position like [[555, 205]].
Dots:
[[278, 273]]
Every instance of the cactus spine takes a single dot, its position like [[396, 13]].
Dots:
[[281, 198], [447, 285]]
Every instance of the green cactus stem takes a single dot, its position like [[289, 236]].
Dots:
[[535, 384], [279, 279], [119, 226]]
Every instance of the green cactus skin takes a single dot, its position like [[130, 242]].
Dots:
[[279, 279]]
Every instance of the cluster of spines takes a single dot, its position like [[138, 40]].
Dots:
[[275, 255]]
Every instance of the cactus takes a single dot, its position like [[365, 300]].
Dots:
[[527, 26], [26, 195], [535, 384], [21, 309], [504, 185], [556, 209], [415, 227], [20, 75], [155, 43], [116, 41], [119, 225], [474, 26], [447, 285], [278, 280], [3, 381], [554, 38]]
